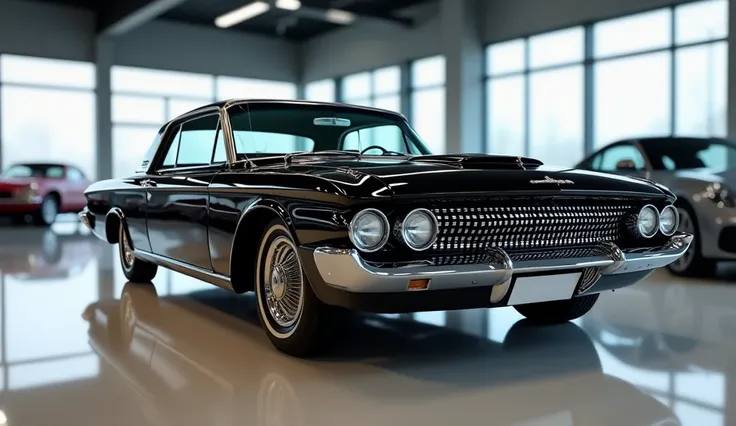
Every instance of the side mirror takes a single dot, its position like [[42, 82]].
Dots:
[[627, 165]]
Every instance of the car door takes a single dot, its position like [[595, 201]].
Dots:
[[623, 158], [177, 193]]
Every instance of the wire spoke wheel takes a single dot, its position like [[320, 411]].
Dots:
[[686, 225], [128, 256], [283, 282]]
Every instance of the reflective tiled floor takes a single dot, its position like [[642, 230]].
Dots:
[[80, 346]]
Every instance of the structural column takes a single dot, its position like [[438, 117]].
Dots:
[[463, 51], [104, 58]]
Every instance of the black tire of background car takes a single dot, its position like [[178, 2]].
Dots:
[[318, 325], [557, 311], [38, 218], [700, 266], [139, 271]]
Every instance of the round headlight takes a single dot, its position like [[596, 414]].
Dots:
[[369, 230], [419, 229], [647, 221], [668, 220]]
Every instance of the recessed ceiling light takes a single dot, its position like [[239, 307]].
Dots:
[[337, 16], [288, 4], [241, 14]]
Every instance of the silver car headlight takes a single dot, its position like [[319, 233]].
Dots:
[[369, 230], [647, 221], [419, 229], [29, 193], [669, 219]]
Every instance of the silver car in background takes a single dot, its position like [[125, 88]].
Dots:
[[702, 173]]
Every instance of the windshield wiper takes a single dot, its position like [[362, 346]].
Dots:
[[329, 152]]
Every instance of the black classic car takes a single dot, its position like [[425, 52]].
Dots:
[[324, 208]]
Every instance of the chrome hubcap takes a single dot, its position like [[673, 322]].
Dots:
[[48, 210], [686, 225], [283, 282], [128, 256]]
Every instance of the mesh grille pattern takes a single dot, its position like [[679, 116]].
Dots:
[[528, 226]]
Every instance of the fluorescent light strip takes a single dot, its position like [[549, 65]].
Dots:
[[242, 14], [337, 16], [288, 4]]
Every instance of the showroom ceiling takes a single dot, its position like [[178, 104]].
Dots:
[[291, 19]]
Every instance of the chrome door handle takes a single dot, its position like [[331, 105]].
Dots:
[[148, 183]]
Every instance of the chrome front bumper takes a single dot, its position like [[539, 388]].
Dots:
[[346, 270]]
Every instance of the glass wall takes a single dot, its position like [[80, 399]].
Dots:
[[655, 73], [537, 80], [380, 88], [428, 101], [48, 112], [144, 99], [320, 91]]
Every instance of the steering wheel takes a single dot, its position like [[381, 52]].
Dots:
[[384, 151]]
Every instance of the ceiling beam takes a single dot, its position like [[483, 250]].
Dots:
[[321, 14], [118, 17]]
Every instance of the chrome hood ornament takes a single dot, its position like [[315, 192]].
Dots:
[[548, 179]]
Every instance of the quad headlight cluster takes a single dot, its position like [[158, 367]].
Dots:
[[649, 221], [369, 230]]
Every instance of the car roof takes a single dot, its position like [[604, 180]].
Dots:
[[238, 101]]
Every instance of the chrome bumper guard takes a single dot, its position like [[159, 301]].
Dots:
[[346, 270]]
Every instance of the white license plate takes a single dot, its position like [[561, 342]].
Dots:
[[542, 288]]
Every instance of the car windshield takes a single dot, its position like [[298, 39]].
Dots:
[[33, 171], [268, 129], [685, 153]]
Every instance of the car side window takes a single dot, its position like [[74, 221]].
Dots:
[[623, 152], [55, 172], [219, 155], [170, 160], [72, 173], [197, 141], [193, 144], [389, 137]]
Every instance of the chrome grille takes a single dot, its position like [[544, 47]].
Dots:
[[527, 226]]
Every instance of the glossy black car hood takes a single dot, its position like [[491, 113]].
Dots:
[[419, 178]]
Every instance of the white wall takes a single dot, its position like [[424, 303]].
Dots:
[[41, 29], [183, 47]]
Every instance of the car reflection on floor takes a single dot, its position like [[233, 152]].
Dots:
[[37, 254], [202, 359]]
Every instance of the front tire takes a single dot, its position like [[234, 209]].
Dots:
[[135, 270], [558, 311], [294, 319], [691, 263]]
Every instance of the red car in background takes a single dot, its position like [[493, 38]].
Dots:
[[41, 190]]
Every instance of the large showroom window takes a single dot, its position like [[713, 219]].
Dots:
[[537, 80], [380, 88], [320, 91], [48, 111], [428, 101], [657, 73]]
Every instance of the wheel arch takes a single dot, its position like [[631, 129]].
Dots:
[[113, 220], [247, 240]]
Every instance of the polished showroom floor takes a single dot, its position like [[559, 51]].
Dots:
[[80, 346]]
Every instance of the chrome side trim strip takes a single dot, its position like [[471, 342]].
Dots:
[[219, 280], [345, 269]]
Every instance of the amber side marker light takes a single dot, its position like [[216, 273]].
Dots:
[[418, 285]]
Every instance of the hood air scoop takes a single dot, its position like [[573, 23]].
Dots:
[[482, 161]]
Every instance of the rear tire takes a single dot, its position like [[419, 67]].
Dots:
[[294, 319], [558, 311], [692, 263], [135, 270]]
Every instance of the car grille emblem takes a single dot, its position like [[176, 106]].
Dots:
[[548, 179]]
